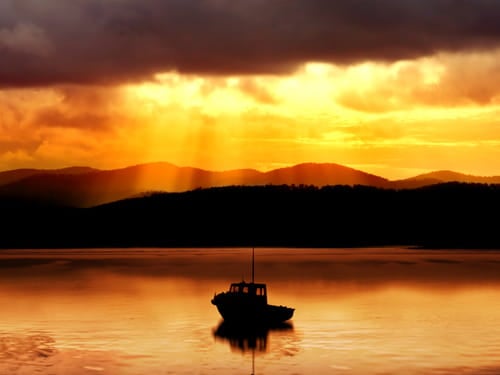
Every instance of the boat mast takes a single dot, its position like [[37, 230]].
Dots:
[[253, 274]]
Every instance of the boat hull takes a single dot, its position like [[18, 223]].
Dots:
[[242, 311]]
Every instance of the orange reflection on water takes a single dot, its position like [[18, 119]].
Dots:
[[149, 312], [402, 329]]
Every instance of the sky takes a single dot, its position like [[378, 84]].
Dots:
[[390, 87]]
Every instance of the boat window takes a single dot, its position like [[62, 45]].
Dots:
[[245, 289]]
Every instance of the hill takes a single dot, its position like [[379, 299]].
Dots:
[[96, 187], [86, 187], [443, 176], [453, 215], [14, 175]]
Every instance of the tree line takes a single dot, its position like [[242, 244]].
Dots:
[[448, 215]]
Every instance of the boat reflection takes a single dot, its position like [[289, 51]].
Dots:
[[248, 339]]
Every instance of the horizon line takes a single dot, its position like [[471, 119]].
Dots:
[[284, 166]]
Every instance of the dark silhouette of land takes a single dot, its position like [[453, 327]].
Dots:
[[7, 177], [87, 187], [438, 177], [449, 215], [83, 187]]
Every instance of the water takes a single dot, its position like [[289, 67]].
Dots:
[[148, 311]]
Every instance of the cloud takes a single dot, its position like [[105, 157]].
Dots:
[[26, 38], [445, 80], [256, 90], [93, 41], [466, 79], [58, 124], [57, 118], [83, 108]]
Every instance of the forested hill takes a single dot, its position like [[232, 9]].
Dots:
[[456, 215]]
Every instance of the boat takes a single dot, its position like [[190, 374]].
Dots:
[[246, 303]]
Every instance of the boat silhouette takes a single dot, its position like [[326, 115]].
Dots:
[[246, 303]]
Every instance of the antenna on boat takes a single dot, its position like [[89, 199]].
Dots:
[[253, 274]]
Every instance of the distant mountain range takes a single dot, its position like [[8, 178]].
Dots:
[[443, 176], [85, 186]]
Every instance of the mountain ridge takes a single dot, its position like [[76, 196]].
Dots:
[[85, 186]]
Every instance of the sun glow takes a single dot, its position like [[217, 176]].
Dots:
[[396, 119]]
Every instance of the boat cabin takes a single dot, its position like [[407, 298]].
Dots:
[[250, 289]]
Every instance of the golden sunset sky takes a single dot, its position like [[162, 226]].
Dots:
[[390, 87]]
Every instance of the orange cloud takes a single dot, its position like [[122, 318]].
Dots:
[[445, 80], [394, 119]]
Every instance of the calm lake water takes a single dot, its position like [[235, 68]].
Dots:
[[148, 311]]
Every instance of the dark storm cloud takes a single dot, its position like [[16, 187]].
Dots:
[[96, 41]]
